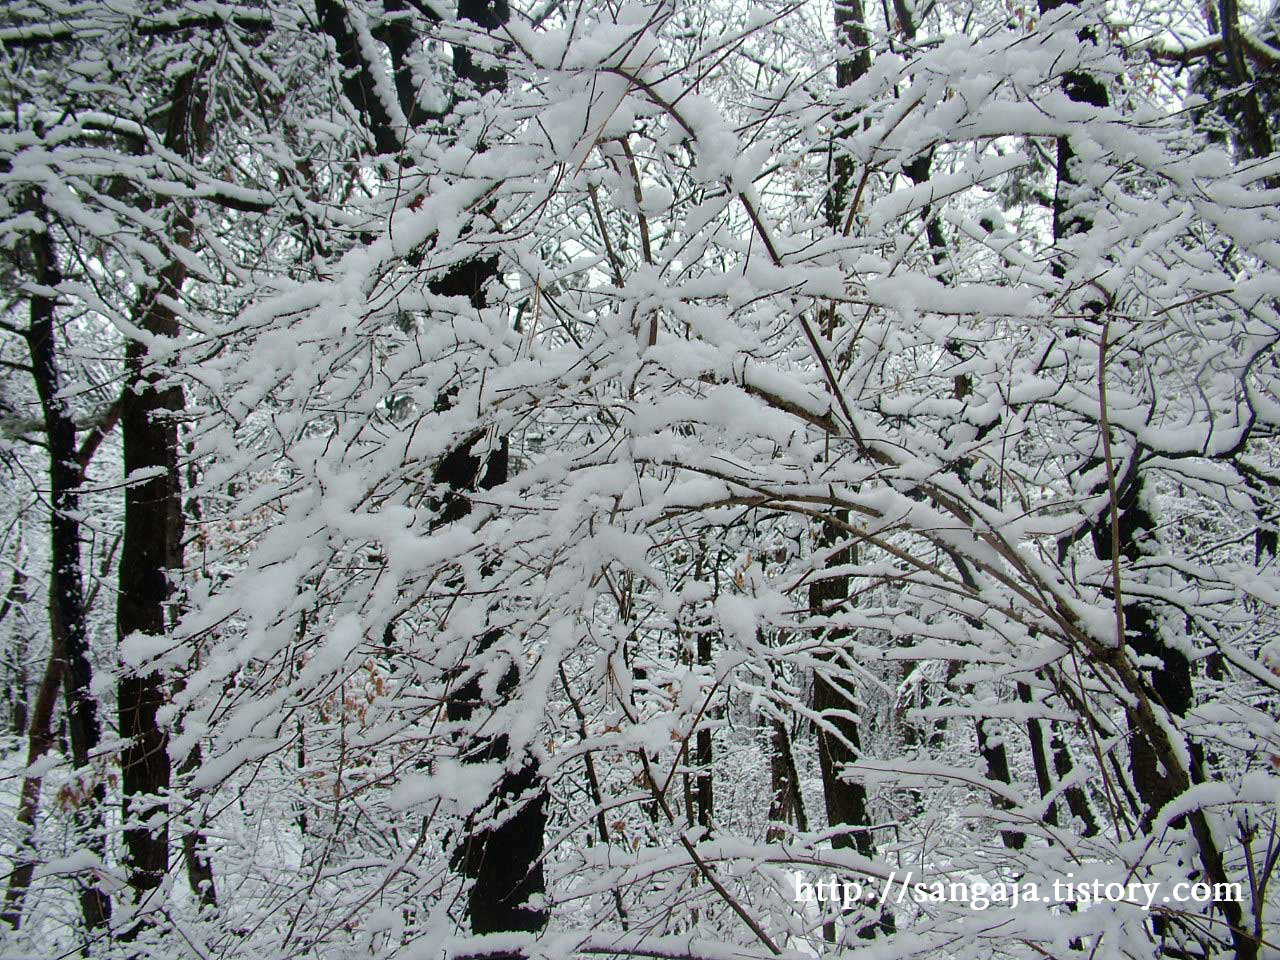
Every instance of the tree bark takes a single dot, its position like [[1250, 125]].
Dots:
[[502, 861], [1254, 140], [1171, 681], [991, 747], [1158, 772], [66, 592], [16, 600], [1077, 802], [786, 801], [195, 858], [703, 750], [152, 546], [839, 742], [39, 741]]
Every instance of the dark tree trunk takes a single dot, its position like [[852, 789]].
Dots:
[[839, 742], [1254, 138], [1048, 778], [195, 858], [66, 592], [853, 63], [15, 602], [504, 862], [786, 801], [1077, 802], [152, 546], [1080, 88], [837, 748], [39, 741], [153, 527], [357, 82], [703, 752], [996, 757], [1039, 757], [1171, 682]]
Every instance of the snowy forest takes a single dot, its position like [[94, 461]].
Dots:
[[572, 479]]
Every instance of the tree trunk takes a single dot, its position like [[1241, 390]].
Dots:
[[839, 743], [39, 740], [991, 746], [66, 592], [152, 547], [1077, 802], [703, 755], [504, 862], [1254, 138], [786, 801], [196, 860], [1159, 773], [1172, 681], [16, 600]]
